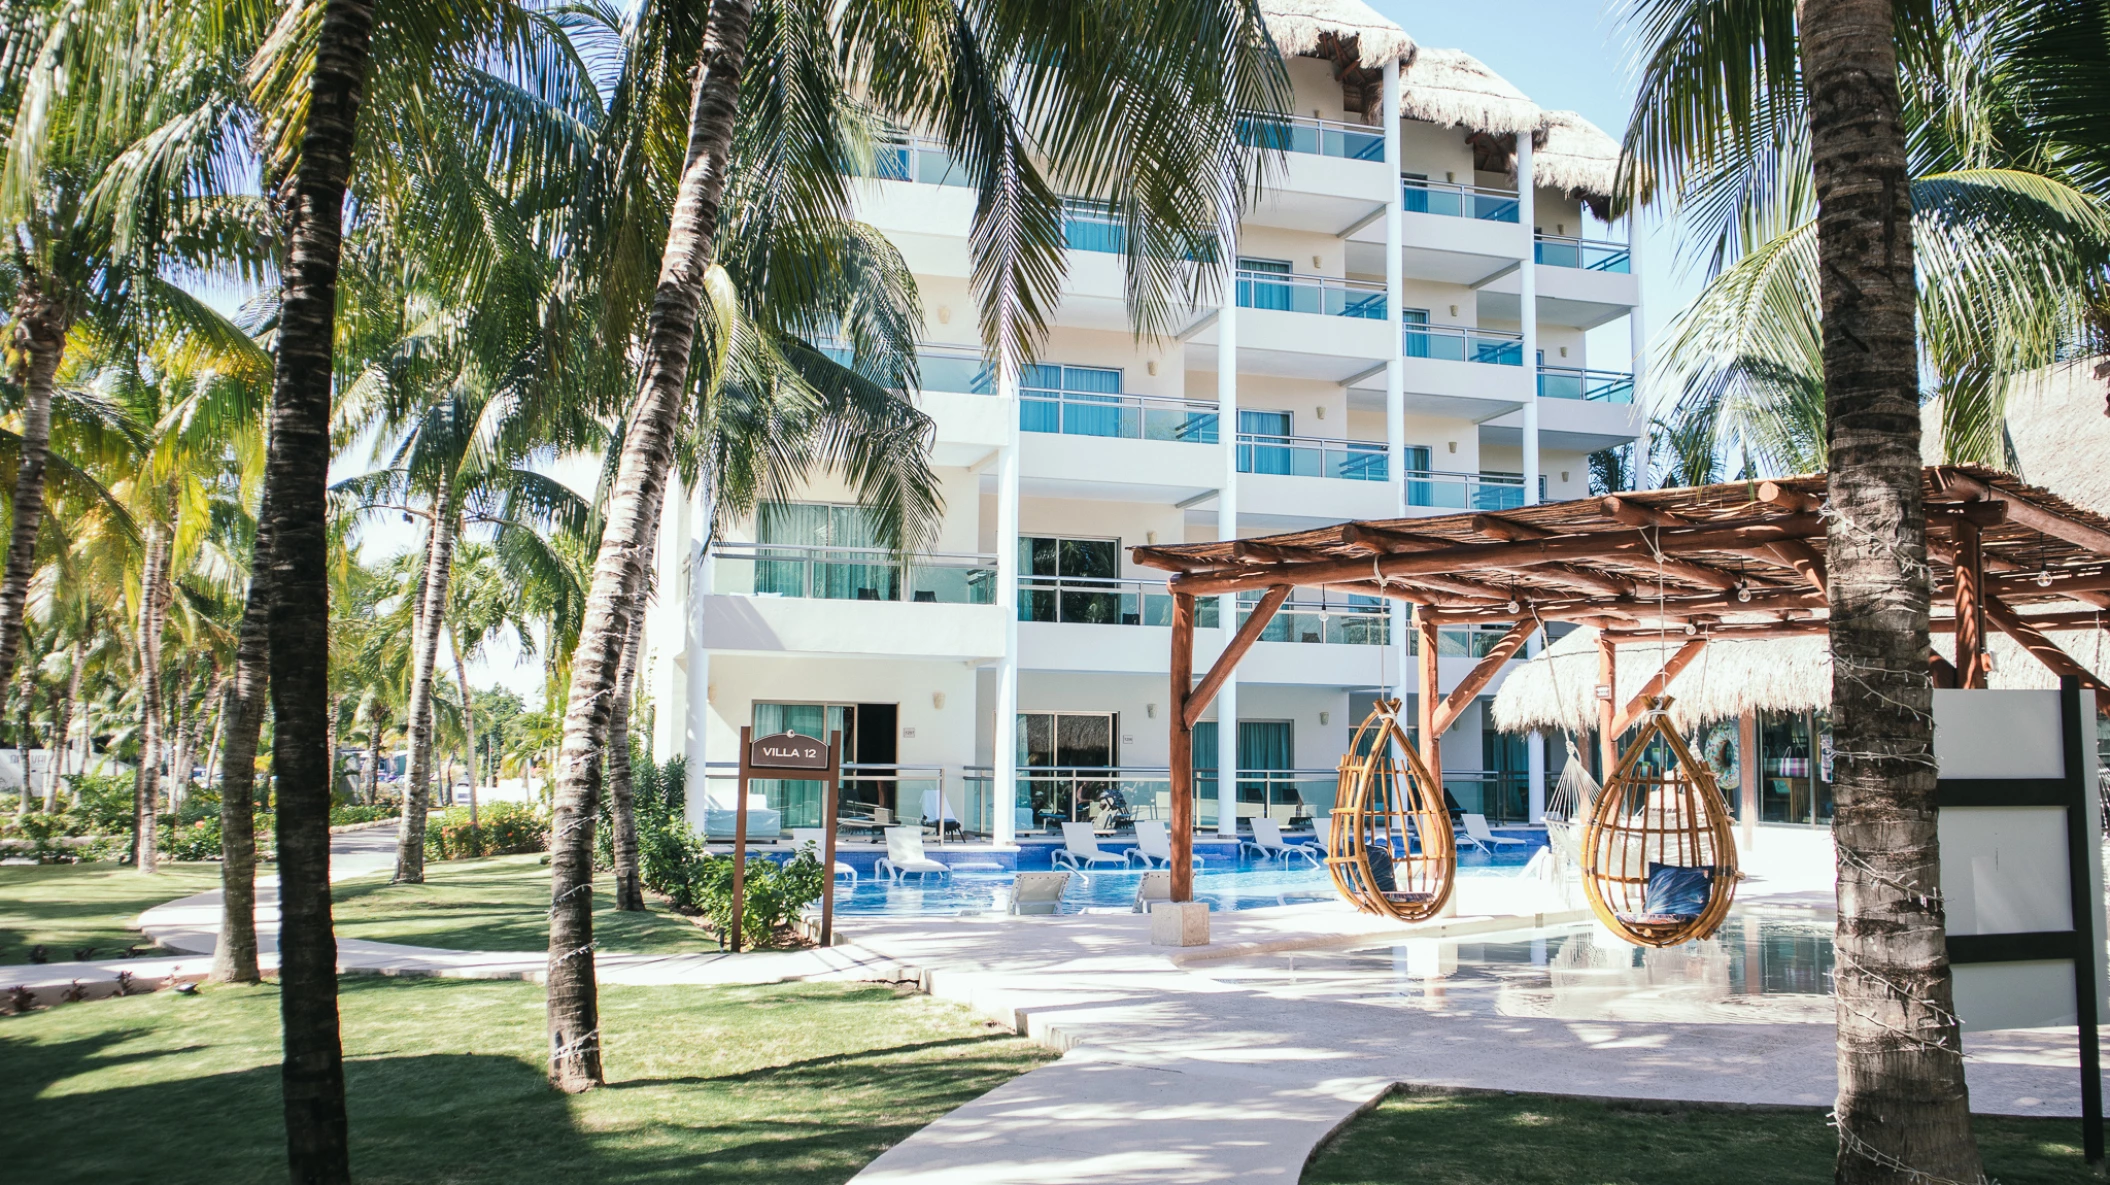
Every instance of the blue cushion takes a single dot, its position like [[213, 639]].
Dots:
[[1678, 891]]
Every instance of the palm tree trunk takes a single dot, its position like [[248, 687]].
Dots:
[[627, 541], [336, 769], [425, 647], [373, 760], [185, 721], [622, 797], [215, 698], [64, 727], [296, 484], [1903, 1113], [25, 703], [242, 708], [461, 679], [147, 784], [42, 320]]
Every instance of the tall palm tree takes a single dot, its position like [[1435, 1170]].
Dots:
[[1727, 79]]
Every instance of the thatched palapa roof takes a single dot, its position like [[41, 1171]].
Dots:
[[1301, 26], [1575, 156], [1557, 689], [1452, 88]]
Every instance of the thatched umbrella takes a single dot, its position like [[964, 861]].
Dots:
[[1575, 156], [1452, 88], [1313, 28]]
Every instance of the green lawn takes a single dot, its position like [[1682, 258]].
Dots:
[[498, 904], [69, 907], [1496, 1139], [788, 1083]]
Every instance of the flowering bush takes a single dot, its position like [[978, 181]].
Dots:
[[197, 840], [503, 829]]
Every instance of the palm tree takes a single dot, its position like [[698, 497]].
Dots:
[[1724, 80]]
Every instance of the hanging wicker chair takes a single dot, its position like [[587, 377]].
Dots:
[[1390, 850], [1658, 853]]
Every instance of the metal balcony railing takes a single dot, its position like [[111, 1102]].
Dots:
[[1322, 295], [1596, 386], [851, 574], [1130, 417], [917, 160], [1457, 201], [1464, 491], [1459, 343], [1309, 456], [1313, 137], [1114, 797], [1594, 255]]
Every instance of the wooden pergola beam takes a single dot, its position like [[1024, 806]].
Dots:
[[1509, 530], [2046, 651], [1819, 625], [1180, 753], [1799, 555], [1560, 549], [1425, 701], [1483, 672], [1659, 683], [1385, 541], [1226, 662], [1607, 687], [2029, 514], [1791, 501], [1971, 665]]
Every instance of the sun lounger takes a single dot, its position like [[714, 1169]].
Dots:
[[818, 837], [1154, 844], [1477, 834], [1080, 848], [1038, 892], [1267, 841], [1155, 886], [904, 854]]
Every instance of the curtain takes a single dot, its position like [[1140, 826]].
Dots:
[[1091, 401], [799, 801], [817, 569], [1264, 455]]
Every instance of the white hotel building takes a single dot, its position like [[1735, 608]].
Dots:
[[1406, 336]]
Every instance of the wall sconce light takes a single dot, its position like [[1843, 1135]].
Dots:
[[1564, 477], [1454, 310], [1150, 710], [1151, 366], [944, 314], [1564, 351], [937, 700], [1560, 228], [1453, 446], [1150, 538], [1317, 261], [1319, 411], [1449, 177], [1325, 718]]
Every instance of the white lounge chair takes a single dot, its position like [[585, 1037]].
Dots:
[[937, 813], [1080, 848], [1154, 844], [1477, 834], [1267, 841], [1155, 886], [904, 854], [1038, 892], [818, 837]]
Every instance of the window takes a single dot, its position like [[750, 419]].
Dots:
[[1265, 294], [1267, 452], [1264, 747], [1069, 580], [1066, 763], [1077, 400], [813, 549], [800, 801]]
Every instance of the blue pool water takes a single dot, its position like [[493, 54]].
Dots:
[[1221, 883]]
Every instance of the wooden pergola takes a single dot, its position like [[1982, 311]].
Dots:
[[1743, 559]]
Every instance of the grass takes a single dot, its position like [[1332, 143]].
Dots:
[[69, 907], [1500, 1139], [790, 1083], [501, 903]]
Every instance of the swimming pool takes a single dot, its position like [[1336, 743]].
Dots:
[[1221, 883], [1765, 966]]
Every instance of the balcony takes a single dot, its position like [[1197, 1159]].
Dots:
[[851, 574], [1594, 386], [1115, 797], [1091, 226], [1457, 201], [1312, 137], [1321, 295], [918, 161], [1594, 255], [1125, 417], [1314, 619], [1464, 491], [1310, 456], [1458, 343]]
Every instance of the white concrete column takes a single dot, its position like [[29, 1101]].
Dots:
[[697, 570], [1395, 369], [1227, 528], [1637, 336], [1535, 749], [1003, 739], [1528, 314]]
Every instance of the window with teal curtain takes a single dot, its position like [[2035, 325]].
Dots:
[[1256, 293], [1266, 453], [1262, 745], [798, 801], [814, 570]]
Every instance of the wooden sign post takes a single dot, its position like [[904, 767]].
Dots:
[[786, 751]]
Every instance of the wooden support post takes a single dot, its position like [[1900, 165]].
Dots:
[[1747, 773], [831, 795], [1659, 683], [2045, 650], [1181, 749], [1483, 673], [1199, 699], [1607, 687], [1425, 703], [740, 840], [1942, 670], [1970, 606]]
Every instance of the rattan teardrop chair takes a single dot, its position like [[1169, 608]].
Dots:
[[1390, 849], [1658, 852]]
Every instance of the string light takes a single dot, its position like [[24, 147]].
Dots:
[[2044, 578], [1743, 593]]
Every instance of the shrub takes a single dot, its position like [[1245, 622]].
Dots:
[[774, 893], [197, 840], [345, 816], [504, 829], [103, 804]]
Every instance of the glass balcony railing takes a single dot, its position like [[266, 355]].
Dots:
[[1309, 456], [1457, 201], [1115, 797], [1458, 343], [851, 574], [1597, 386], [1091, 226], [1313, 137], [1464, 491], [1130, 417], [1593, 255], [1080, 600], [1461, 641], [917, 161], [1322, 295]]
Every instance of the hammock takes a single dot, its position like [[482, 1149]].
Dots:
[[1391, 851], [1566, 808], [1658, 855]]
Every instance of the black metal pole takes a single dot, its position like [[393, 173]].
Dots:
[[2087, 944]]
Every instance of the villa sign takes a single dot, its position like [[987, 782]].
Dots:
[[787, 750]]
